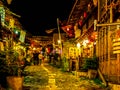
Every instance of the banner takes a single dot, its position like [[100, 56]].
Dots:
[[2, 15], [11, 23], [22, 36]]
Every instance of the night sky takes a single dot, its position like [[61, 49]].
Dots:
[[40, 15]]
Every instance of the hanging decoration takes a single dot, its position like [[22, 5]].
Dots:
[[22, 36], [69, 29], [118, 33], [9, 1], [85, 14], [76, 30], [2, 13], [11, 23], [80, 22], [95, 2], [89, 7]]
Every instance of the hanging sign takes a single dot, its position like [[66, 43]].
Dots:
[[73, 52], [116, 46], [22, 36], [11, 23]]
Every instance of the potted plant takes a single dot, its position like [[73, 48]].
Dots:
[[91, 65], [3, 69], [13, 69]]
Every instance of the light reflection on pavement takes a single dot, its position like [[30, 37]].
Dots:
[[38, 79]]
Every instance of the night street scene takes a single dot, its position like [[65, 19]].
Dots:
[[60, 45]]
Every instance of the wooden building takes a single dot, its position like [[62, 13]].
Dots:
[[99, 24]]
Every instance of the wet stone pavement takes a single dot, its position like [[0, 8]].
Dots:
[[38, 78]]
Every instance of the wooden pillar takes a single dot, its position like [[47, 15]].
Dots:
[[118, 67], [111, 14], [98, 10], [108, 65]]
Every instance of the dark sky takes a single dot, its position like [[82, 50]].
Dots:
[[39, 15]]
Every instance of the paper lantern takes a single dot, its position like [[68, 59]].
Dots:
[[85, 14], [9, 1], [80, 22], [95, 2]]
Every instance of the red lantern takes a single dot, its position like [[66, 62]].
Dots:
[[95, 2], [80, 22], [85, 14]]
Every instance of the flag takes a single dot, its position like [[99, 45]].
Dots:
[[22, 36]]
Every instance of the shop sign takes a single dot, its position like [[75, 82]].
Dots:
[[22, 36], [11, 23], [73, 52], [116, 46]]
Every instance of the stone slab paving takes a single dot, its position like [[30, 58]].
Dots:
[[38, 79], [68, 81]]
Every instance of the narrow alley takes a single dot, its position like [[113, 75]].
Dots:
[[47, 77]]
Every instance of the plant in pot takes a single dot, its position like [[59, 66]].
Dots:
[[3, 69], [91, 65], [13, 69]]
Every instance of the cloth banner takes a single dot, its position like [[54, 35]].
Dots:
[[11, 23], [22, 36], [77, 33], [2, 15]]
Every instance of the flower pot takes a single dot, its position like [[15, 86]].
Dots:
[[15, 82], [92, 73]]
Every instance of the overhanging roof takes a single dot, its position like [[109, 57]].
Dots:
[[78, 9]]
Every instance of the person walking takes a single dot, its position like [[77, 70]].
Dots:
[[36, 59], [40, 56]]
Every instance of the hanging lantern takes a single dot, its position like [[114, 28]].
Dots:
[[89, 7], [80, 22], [95, 2], [9, 1], [81, 17], [85, 14]]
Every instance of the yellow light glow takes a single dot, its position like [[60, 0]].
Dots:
[[59, 41], [34, 48], [78, 45]]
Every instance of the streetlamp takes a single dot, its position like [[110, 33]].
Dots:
[[78, 45], [59, 41]]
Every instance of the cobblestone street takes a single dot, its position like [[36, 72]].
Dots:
[[38, 79]]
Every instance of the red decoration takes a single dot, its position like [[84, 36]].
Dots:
[[118, 33], [69, 30], [80, 22], [85, 14]]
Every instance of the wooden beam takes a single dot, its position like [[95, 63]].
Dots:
[[72, 11], [101, 76]]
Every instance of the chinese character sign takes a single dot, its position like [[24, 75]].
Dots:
[[11, 23], [22, 36]]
